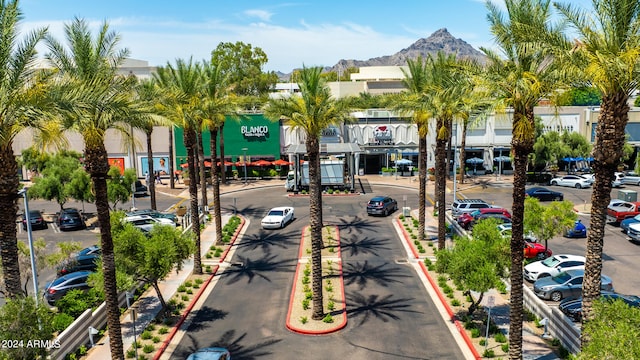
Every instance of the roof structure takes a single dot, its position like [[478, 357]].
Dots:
[[328, 148]]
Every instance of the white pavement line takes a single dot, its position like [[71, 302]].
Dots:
[[177, 338], [415, 263], [462, 344]]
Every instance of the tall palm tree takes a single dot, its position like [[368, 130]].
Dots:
[[312, 112], [412, 103], [92, 100], [183, 81], [148, 93], [521, 76], [216, 105], [19, 99], [607, 51]]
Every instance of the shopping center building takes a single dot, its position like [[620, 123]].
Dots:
[[379, 136]]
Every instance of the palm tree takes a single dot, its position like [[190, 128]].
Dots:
[[412, 102], [519, 78], [92, 100], [312, 112], [216, 105], [184, 82], [607, 50], [18, 106], [149, 94]]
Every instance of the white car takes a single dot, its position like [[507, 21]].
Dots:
[[553, 266], [146, 222], [575, 181], [277, 217]]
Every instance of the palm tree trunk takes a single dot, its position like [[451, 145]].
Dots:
[[8, 212], [422, 187], [223, 166], [217, 215], [315, 225], [172, 166], [463, 144], [442, 169], [152, 183], [606, 154], [203, 174], [189, 142], [522, 144], [97, 166]]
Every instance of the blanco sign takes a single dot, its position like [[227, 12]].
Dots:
[[254, 131]]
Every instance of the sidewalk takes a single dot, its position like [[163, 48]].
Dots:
[[149, 306]]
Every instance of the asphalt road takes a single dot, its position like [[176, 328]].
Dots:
[[621, 257], [390, 315]]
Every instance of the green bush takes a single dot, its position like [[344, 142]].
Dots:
[[182, 288], [146, 335], [475, 332], [328, 319], [163, 330], [75, 302], [131, 353], [500, 337], [155, 339], [305, 304], [488, 353], [304, 319], [148, 349], [505, 348], [61, 321], [455, 302]]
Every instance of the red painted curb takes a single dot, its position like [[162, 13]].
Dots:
[[173, 331], [452, 316], [293, 291], [184, 315], [407, 238]]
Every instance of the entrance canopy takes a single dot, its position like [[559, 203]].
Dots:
[[328, 148]]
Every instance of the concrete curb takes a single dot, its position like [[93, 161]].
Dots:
[[338, 326], [195, 299]]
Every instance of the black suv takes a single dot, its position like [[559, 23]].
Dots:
[[381, 205], [71, 219], [36, 219], [85, 259]]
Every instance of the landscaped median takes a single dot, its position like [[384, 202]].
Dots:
[[300, 305], [156, 336]]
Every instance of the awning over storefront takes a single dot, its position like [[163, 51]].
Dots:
[[330, 148]]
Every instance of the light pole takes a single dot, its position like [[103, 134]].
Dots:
[[244, 160], [455, 167], [34, 272]]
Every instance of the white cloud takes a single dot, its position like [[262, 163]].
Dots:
[[260, 14]]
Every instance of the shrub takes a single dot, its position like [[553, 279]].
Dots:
[[500, 337], [182, 289], [505, 348], [155, 339], [329, 288], [150, 327], [146, 335], [188, 283], [488, 353], [304, 319], [147, 349], [199, 281], [483, 342], [75, 302], [185, 297], [475, 332], [189, 291], [455, 302], [163, 330], [308, 295], [305, 304], [331, 305], [328, 319], [131, 353], [61, 321], [218, 253]]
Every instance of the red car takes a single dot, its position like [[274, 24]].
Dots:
[[536, 251], [466, 219]]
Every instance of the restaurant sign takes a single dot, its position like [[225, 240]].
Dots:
[[254, 131]]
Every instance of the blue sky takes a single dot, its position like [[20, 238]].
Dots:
[[291, 33]]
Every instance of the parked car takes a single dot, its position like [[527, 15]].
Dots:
[[572, 307], [633, 233], [140, 189], [462, 206], [381, 205], [36, 219], [629, 178], [155, 214], [552, 266], [146, 222], [575, 181], [566, 284], [577, 231], [544, 194], [620, 210], [615, 182], [465, 219], [71, 219], [277, 217], [501, 219], [59, 287], [211, 353], [534, 250], [85, 260], [624, 224]]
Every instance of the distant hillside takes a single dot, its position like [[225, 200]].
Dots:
[[440, 40]]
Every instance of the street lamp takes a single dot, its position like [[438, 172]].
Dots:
[[244, 151], [455, 159], [23, 193]]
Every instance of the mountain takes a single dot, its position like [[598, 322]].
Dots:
[[440, 40]]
